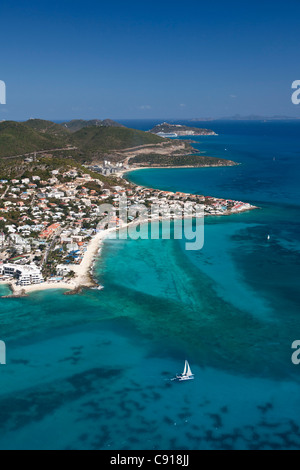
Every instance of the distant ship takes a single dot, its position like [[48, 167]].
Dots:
[[167, 135], [186, 375]]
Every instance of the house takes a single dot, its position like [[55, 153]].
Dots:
[[49, 231], [63, 270]]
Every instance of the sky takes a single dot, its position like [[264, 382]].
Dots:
[[139, 59]]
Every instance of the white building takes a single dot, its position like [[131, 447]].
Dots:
[[63, 270], [21, 245], [28, 275], [56, 194], [25, 275]]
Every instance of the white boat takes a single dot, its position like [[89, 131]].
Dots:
[[269, 237], [167, 135], [186, 375]]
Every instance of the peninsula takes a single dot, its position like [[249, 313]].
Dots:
[[51, 222], [177, 130]]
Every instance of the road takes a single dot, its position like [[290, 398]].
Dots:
[[5, 192], [50, 246], [40, 152]]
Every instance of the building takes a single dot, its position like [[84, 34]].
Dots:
[[49, 231], [25, 275], [63, 270]]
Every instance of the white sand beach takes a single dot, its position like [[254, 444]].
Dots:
[[83, 275], [82, 271]]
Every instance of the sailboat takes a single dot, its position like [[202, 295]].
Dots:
[[186, 375]]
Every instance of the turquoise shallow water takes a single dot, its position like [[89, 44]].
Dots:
[[91, 371]]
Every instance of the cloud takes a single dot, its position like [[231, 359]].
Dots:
[[145, 106], [233, 96], [182, 105]]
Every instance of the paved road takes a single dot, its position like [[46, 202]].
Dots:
[[51, 245]]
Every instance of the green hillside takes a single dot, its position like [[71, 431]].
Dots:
[[38, 135], [18, 138], [105, 139], [47, 127], [78, 124]]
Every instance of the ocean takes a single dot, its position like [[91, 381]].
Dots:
[[92, 371]]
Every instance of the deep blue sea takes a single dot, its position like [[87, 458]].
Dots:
[[92, 371]]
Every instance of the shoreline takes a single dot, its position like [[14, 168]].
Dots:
[[122, 173], [83, 276], [83, 272]]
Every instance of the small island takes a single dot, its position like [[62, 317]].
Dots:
[[177, 130]]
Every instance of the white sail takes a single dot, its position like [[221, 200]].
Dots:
[[186, 375], [189, 372]]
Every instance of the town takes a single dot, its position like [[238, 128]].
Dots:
[[47, 224]]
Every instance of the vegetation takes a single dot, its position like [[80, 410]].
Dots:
[[96, 140], [19, 139], [43, 167], [47, 127], [78, 124], [106, 139], [179, 130], [179, 160]]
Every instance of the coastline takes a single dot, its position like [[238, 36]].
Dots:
[[83, 277], [122, 173], [83, 272]]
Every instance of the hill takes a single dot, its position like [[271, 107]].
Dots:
[[47, 127], [86, 145], [19, 138], [106, 139], [161, 161], [78, 124], [179, 130]]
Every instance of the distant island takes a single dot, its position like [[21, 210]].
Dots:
[[174, 130], [252, 117]]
